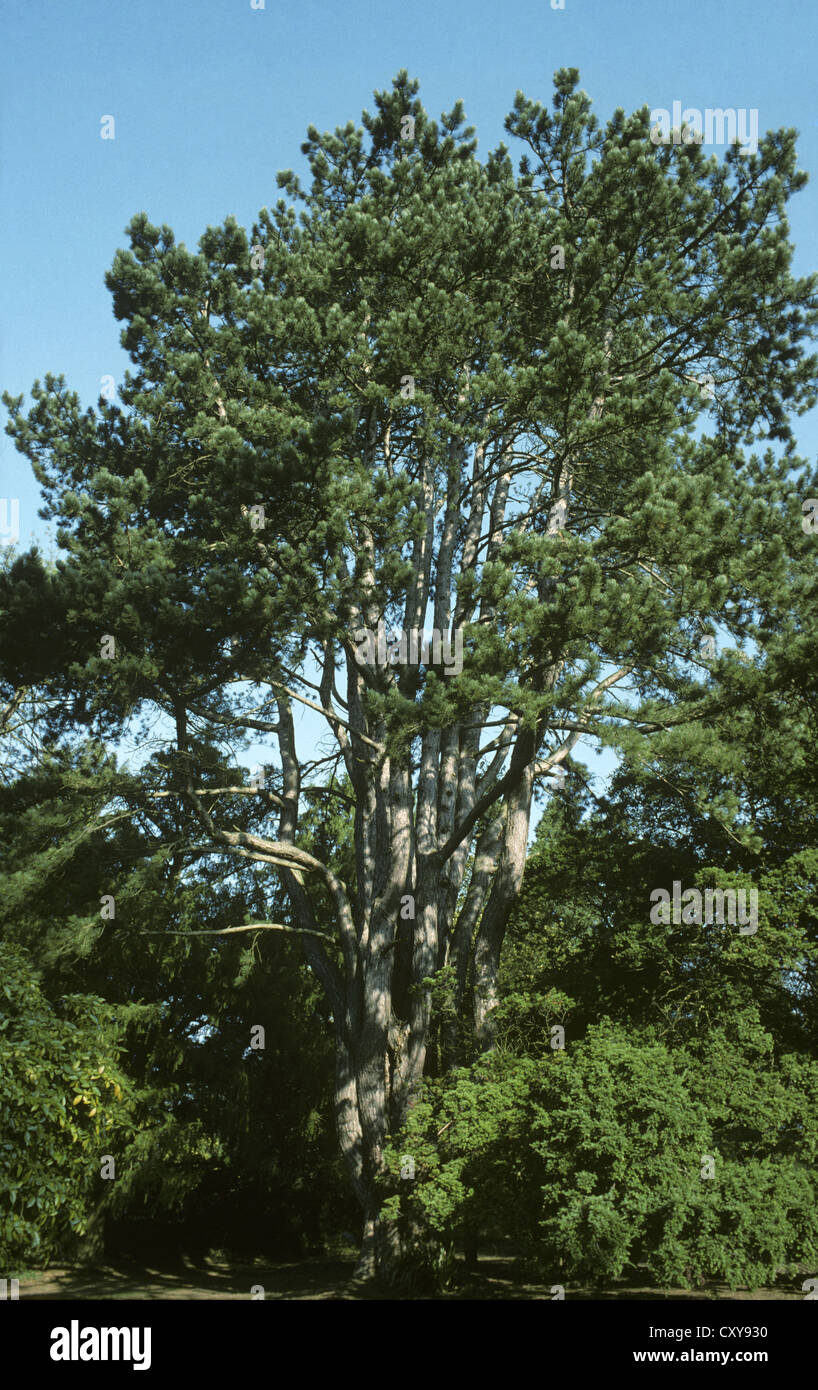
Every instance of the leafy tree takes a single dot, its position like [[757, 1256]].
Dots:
[[227, 1144], [682, 1043], [445, 392], [65, 1101]]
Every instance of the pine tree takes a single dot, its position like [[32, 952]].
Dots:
[[508, 406]]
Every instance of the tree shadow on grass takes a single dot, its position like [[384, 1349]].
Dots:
[[496, 1278]]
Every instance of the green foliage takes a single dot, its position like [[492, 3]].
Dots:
[[278, 386], [681, 1042], [623, 1128], [592, 1159], [224, 1146], [65, 1101], [467, 1136]]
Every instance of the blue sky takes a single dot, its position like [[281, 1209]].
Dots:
[[212, 97]]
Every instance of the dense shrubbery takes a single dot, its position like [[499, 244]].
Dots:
[[65, 1100], [681, 1045], [593, 1158], [215, 1145]]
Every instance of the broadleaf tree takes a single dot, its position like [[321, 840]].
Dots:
[[505, 405]]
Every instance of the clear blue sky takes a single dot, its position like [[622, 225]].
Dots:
[[211, 98]]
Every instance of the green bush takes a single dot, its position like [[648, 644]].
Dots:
[[60, 1081], [595, 1159]]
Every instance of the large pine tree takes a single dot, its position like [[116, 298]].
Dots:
[[426, 392]]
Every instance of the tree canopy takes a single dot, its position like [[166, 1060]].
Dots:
[[507, 406]]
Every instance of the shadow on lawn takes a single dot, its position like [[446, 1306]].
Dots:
[[497, 1277]]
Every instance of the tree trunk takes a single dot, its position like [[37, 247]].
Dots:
[[365, 1269], [90, 1247]]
